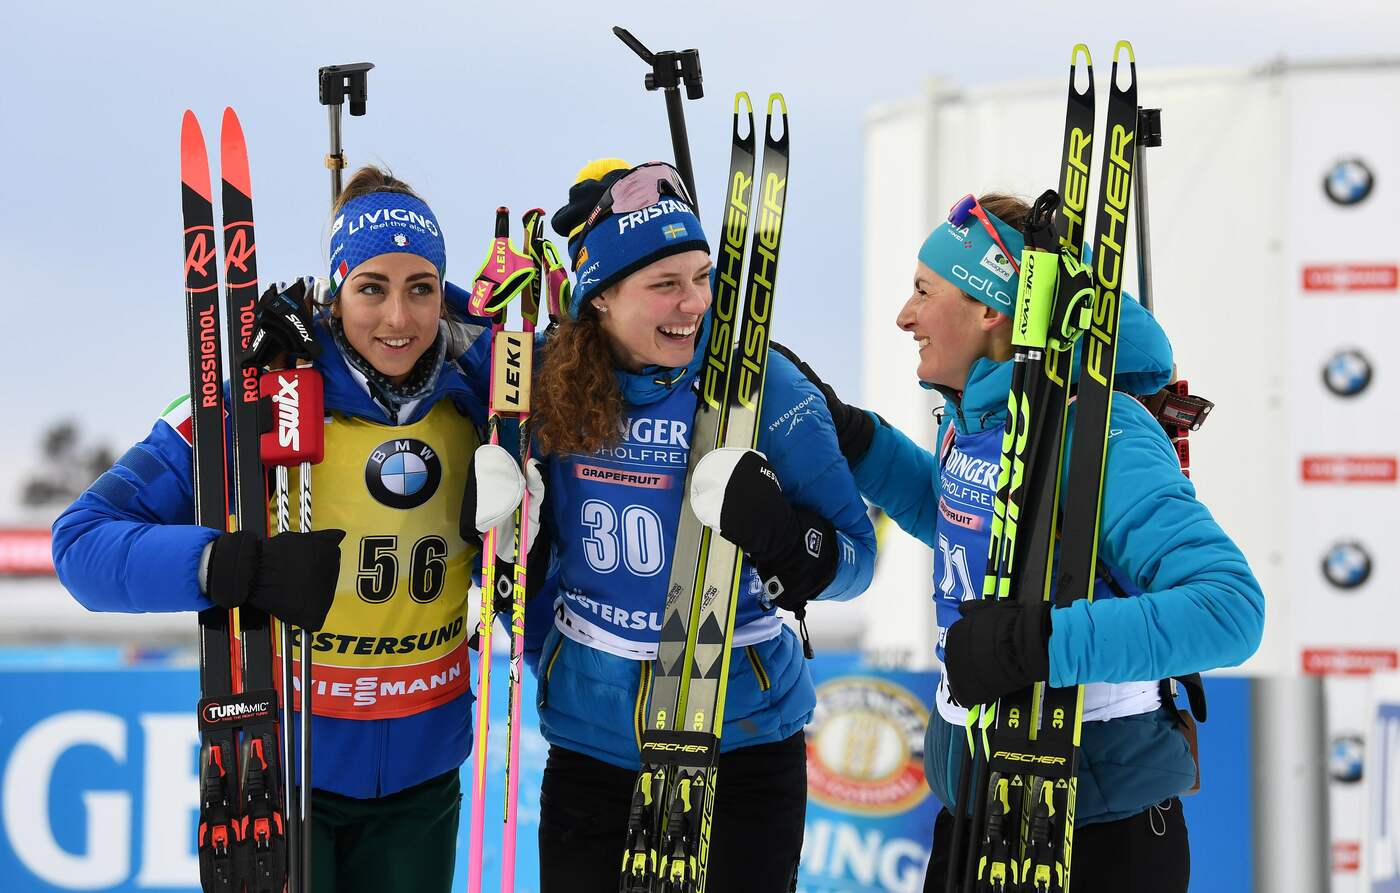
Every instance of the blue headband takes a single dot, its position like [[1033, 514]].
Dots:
[[621, 244], [384, 223], [968, 257]]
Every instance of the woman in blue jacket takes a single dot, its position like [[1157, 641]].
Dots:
[[1179, 597], [392, 712], [614, 400]]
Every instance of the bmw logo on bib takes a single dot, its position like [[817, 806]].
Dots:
[[404, 473]]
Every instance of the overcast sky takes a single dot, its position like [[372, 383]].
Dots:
[[479, 104]]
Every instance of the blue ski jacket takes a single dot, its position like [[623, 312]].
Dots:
[[613, 517], [129, 544], [1189, 600]]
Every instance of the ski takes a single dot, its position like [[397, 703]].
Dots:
[[1023, 825], [646, 818], [672, 808], [1050, 833], [1021, 567], [265, 778], [219, 828]]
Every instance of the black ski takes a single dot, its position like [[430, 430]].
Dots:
[[262, 781], [219, 829]]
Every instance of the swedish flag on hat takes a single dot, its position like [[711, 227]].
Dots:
[[619, 244]]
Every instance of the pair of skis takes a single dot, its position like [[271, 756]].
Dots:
[[247, 835], [507, 274], [1019, 772], [669, 822]]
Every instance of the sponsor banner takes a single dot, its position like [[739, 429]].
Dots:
[[1351, 277], [1349, 661], [99, 769], [26, 553], [98, 765], [1346, 856], [1381, 845], [1349, 469], [869, 810]]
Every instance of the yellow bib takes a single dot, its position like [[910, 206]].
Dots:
[[394, 643]]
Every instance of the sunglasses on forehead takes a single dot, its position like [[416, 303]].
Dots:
[[641, 187], [967, 208]]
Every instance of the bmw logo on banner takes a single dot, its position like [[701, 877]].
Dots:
[[1347, 373], [1349, 182], [1347, 565], [404, 473]]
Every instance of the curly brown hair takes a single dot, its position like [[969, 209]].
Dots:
[[577, 401]]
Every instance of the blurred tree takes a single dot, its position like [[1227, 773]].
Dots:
[[67, 467]]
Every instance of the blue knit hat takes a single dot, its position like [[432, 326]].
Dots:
[[619, 244], [384, 223]]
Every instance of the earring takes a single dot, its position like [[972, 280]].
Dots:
[[601, 308]]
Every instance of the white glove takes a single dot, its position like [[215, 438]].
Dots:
[[500, 487], [710, 480]]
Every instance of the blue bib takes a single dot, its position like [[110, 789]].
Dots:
[[617, 512]]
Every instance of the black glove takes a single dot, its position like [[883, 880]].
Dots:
[[283, 327], [996, 648], [855, 429], [291, 576], [793, 549]]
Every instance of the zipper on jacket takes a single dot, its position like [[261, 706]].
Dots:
[[764, 683]]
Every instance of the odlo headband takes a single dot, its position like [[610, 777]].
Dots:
[[967, 256]]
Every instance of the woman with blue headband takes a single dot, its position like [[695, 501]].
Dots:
[[392, 712], [1175, 596], [614, 398]]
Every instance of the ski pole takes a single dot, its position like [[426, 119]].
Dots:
[[1149, 135], [669, 69], [505, 273], [529, 312], [338, 83]]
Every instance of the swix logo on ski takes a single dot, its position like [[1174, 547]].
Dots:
[[651, 212], [288, 414], [794, 416]]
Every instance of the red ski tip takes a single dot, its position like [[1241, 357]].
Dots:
[[233, 157], [194, 158]]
